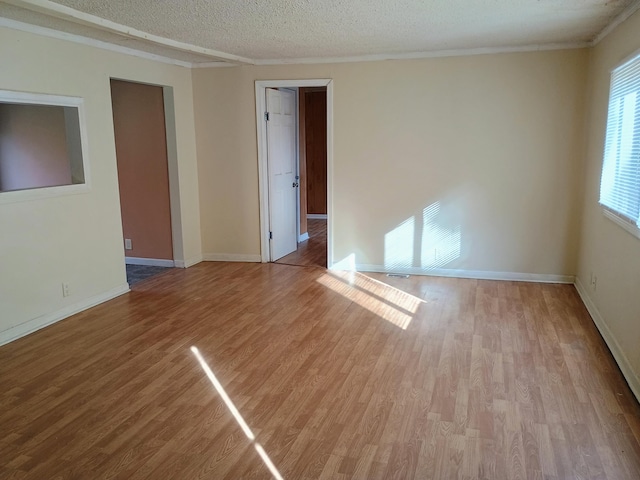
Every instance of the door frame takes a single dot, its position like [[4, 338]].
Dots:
[[263, 177]]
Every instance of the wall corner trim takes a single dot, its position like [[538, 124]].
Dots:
[[632, 378], [231, 257], [30, 326], [187, 263]]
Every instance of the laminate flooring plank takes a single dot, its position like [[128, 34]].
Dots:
[[335, 375]]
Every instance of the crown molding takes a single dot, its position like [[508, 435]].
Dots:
[[66, 13], [213, 65], [430, 54], [626, 13], [92, 42], [51, 33], [224, 59]]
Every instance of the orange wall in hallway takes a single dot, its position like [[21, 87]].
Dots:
[[141, 150]]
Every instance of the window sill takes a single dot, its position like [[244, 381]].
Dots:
[[42, 193], [621, 222]]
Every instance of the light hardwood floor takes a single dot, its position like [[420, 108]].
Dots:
[[312, 252], [301, 373]]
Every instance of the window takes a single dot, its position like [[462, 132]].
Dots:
[[42, 146], [620, 183]]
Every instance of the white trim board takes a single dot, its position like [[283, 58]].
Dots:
[[303, 237], [231, 257], [474, 274], [460, 52], [187, 263], [92, 42], [626, 13], [316, 216], [67, 13], [153, 262], [621, 222], [632, 378], [42, 321]]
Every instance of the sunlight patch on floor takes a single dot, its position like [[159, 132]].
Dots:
[[389, 303], [236, 414]]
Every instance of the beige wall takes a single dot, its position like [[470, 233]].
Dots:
[[612, 254], [493, 141], [78, 238]]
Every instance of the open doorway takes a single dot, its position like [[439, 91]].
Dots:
[[295, 171], [312, 172], [140, 130]]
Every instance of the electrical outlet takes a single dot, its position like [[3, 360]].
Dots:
[[127, 244], [65, 289], [594, 281]]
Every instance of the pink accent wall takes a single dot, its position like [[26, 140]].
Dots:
[[141, 150], [33, 147]]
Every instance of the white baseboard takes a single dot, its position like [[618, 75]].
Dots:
[[632, 378], [303, 237], [42, 321], [187, 263], [316, 216], [231, 257], [475, 274], [154, 262]]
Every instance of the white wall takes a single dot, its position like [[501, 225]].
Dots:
[[78, 238], [606, 250], [480, 152]]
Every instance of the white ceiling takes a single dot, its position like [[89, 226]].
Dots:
[[283, 31]]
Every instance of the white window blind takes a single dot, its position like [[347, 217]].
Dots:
[[620, 183]]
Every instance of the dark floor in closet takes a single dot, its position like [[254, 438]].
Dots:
[[137, 273]]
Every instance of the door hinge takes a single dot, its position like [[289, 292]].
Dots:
[[266, 116], [270, 235]]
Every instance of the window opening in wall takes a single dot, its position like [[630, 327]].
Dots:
[[40, 142]]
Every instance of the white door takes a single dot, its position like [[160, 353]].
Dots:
[[281, 160]]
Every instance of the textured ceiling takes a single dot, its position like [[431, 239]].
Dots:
[[294, 29]]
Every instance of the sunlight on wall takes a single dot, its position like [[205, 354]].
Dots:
[[347, 263], [236, 414], [387, 302], [440, 245], [398, 246], [422, 242]]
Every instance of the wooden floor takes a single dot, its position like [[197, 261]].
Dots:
[[271, 371], [312, 252]]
